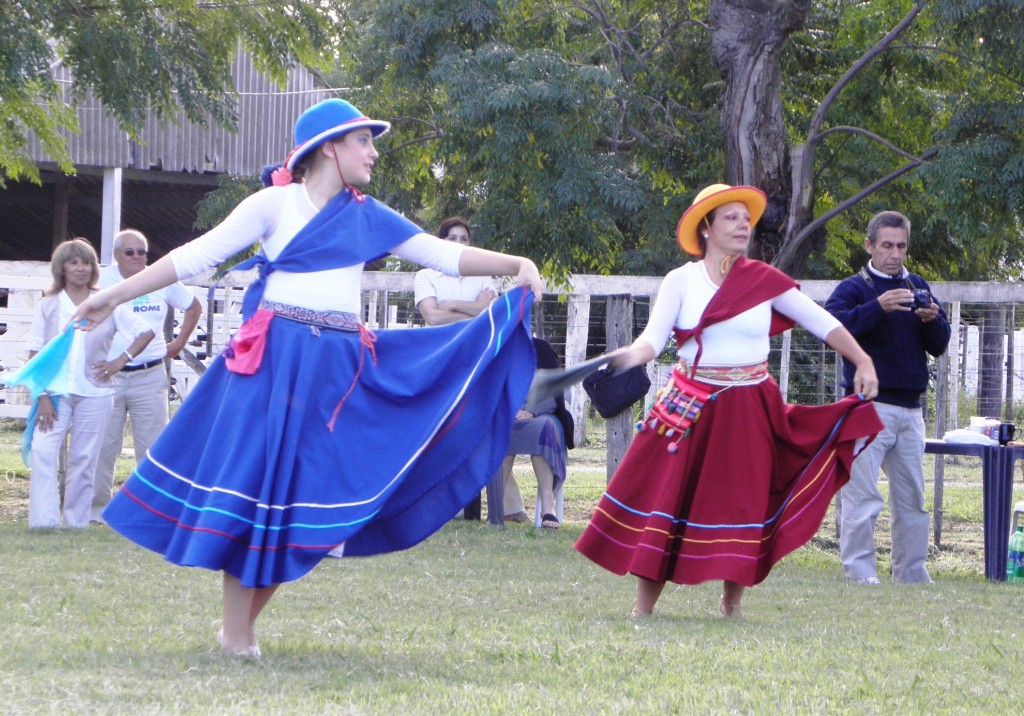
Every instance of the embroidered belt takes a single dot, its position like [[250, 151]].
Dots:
[[338, 320], [142, 366], [727, 374]]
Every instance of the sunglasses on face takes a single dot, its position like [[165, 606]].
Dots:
[[132, 252]]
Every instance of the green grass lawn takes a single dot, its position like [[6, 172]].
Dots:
[[501, 621]]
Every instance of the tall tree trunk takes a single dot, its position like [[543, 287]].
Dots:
[[747, 41], [805, 232]]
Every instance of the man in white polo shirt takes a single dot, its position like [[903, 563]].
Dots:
[[141, 385]]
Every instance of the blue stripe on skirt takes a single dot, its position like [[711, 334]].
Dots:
[[248, 478]]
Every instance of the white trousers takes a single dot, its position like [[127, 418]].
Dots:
[[899, 450], [142, 396], [86, 418]]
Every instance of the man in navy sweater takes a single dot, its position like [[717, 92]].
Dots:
[[893, 315]]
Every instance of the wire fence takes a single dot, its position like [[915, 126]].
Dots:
[[985, 354], [981, 374]]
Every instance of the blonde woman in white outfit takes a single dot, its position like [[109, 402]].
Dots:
[[86, 409]]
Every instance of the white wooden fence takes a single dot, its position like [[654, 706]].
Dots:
[[388, 304]]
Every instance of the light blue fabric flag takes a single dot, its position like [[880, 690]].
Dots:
[[46, 371]]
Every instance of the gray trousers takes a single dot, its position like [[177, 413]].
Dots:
[[899, 450]]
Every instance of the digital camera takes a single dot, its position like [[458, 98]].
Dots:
[[922, 298]]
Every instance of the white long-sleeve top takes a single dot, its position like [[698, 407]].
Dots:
[[740, 340], [274, 216]]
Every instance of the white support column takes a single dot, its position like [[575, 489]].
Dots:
[[111, 212], [371, 310]]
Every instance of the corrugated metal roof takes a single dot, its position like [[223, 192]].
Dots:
[[266, 114], [164, 176]]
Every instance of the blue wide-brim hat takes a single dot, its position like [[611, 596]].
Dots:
[[329, 120]]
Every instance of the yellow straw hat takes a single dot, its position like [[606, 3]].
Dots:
[[710, 198]]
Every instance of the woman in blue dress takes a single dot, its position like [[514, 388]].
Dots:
[[311, 436]]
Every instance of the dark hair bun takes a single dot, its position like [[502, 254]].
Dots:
[[265, 174]]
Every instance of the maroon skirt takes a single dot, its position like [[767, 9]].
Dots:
[[749, 484]]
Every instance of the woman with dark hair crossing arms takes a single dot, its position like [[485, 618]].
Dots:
[[724, 478]]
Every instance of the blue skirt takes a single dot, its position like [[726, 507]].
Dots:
[[249, 478]]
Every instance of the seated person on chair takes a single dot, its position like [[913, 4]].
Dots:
[[544, 431]]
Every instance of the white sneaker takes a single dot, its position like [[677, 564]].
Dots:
[[865, 580]]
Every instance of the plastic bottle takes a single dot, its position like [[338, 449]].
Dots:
[[1015, 557]]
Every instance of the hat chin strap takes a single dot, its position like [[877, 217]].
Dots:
[[356, 194]]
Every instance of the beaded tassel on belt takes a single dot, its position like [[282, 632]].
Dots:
[[676, 409]]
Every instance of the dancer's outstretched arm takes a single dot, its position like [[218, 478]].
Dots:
[[481, 262], [100, 305]]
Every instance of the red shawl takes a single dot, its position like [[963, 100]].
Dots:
[[748, 283]]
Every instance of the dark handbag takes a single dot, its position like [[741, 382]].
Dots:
[[611, 392], [547, 359], [568, 424]]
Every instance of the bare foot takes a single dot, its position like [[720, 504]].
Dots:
[[246, 651], [731, 610]]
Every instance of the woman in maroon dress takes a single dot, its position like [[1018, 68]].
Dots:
[[725, 478]]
